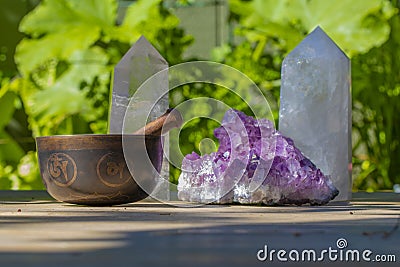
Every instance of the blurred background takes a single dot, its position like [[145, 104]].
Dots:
[[56, 60]]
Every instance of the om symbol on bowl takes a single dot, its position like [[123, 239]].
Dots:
[[62, 169], [112, 170]]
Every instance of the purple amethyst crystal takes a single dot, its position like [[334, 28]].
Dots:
[[254, 164]]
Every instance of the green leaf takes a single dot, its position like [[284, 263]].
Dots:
[[61, 27], [5, 173], [240, 8], [139, 12], [103, 13], [85, 66], [32, 53], [356, 26], [143, 17], [10, 151], [65, 97], [55, 16], [6, 108]]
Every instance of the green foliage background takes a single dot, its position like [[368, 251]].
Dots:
[[70, 47]]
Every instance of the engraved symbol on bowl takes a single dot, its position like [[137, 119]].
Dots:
[[112, 170], [62, 169]]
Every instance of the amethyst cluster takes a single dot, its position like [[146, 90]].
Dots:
[[254, 164]]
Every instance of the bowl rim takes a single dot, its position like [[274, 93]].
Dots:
[[92, 135], [89, 141]]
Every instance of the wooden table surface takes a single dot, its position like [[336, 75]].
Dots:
[[36, 230]]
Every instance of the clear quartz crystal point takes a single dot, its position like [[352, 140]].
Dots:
[[315, 106], [138, 64], [131, 110]]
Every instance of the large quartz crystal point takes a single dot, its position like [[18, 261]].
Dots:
[[141, 62], [138, 64], [315, 106]]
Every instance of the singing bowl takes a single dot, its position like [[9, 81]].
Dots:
[[94, 170]]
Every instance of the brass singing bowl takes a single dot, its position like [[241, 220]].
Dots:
[[93, 169]]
